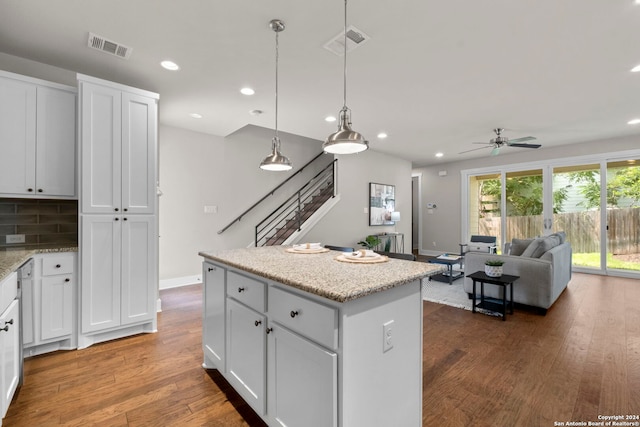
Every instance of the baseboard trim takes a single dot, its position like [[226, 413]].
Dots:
[[180, 281]]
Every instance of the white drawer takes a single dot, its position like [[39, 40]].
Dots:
[[246, 290], [314, 320], [58, 264]]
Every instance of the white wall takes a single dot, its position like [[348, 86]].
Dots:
[[346, 223], [443, 226], [197, 169]]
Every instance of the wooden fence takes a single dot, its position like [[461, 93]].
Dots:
[[582, 228]]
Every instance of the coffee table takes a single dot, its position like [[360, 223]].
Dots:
[[449, 275], [495, 305]]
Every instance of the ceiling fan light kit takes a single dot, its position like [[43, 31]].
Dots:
[[345, 140], [276, 161]]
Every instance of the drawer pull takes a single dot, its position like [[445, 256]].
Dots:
[[67, 280], [211, 269], [258, 322], [10, 322], [293, 313], [6, 328], [58, 266], [240, 289], [269, 330]]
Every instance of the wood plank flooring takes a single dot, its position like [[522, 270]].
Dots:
[[579, 361]]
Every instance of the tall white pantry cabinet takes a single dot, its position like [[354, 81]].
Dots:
[[118, 210]]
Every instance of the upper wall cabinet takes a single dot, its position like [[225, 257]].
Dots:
[[118, 148], [37, 138]]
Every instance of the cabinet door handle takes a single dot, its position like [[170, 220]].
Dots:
[[125, 209], [58, 266], [30, 190], [211, 269], [269, 330], [40, 190], [116, 219], [6, 329], [116, 209], [258, 322], [240, 289], [9, 322], [294, 313], [67, 280], [124, 219]]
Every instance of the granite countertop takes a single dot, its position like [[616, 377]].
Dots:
[[321, 274], [11, 259]]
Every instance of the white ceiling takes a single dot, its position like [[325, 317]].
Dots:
[[435, 75]]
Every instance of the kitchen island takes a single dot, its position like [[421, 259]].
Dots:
[[308, 340]]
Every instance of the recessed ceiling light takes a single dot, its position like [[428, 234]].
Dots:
[[195, 115], [170, 65], [633, 122], [247, 91], [382, 135], [439, 154], [330, 119], [635, 69]]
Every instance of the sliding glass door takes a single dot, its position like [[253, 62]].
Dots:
[[623, 215], [597, 204]]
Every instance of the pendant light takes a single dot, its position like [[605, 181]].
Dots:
[[276, 161], [345, 140]]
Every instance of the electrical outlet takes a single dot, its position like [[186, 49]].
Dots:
[[15, 238], [211, 209], [387, 336], [434, 244]]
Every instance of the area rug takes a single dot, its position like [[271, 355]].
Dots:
[[452, 295], [443, 293]]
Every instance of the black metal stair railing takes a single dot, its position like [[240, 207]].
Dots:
[[288, 218], [270, 193]]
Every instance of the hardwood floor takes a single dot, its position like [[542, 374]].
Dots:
[[579, 361]]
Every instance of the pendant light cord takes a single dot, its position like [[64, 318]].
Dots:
[[344, 106], [277, 83]]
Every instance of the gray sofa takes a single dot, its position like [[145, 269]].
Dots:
[[543, 264]]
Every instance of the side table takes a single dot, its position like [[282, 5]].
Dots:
[[493, 304]]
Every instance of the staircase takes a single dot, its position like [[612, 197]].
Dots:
[[290, 216], [293, 224]]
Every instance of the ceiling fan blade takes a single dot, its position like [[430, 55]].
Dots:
[[526, 145], [473, 149], [523, 139], [495, 151]]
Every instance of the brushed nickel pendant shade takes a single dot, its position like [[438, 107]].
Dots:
[[345, 140], [276, 161]]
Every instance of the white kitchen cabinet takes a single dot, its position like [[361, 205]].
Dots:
[[37, 138], [119, 144], [9, 341], [246, 347], [119, 271], [118, 210], [49, 304], [213, 316], [303, 381]]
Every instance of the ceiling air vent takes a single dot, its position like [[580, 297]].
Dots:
[[107, 46], [355, 38]]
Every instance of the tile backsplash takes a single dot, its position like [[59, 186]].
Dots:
[[43, 222]]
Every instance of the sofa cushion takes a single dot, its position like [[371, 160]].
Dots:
[[541, 245], [561, 235], [519, 245]]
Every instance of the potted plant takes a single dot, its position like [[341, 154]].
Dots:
[[493, 267], [370, 242]]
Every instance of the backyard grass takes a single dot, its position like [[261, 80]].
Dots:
[[593, 260]]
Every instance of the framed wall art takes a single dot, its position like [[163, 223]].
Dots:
[[382, 202]]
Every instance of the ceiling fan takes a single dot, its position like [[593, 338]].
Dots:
[[500, 140]]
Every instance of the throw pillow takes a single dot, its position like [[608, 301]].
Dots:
[[519, 245], [561, 235], [541, 245]]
